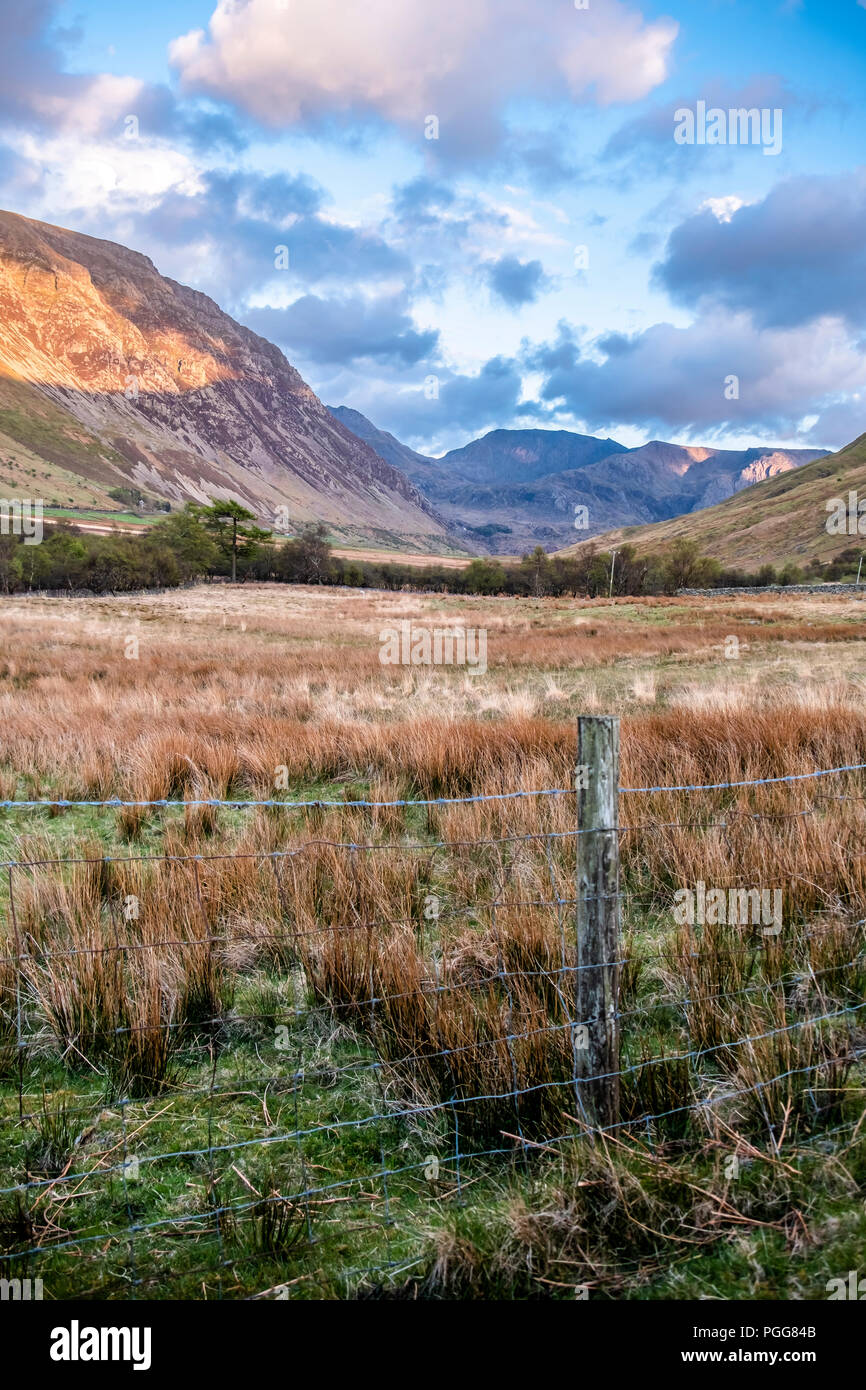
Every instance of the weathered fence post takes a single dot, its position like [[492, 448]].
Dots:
[[598, 918]]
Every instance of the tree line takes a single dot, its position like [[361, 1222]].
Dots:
[[222, 540]]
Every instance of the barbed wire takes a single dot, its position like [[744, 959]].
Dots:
[[393, 1064], [463, 1022], [162, 803], [420, 847]]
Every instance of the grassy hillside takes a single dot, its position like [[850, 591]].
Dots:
[[45, 452], [781, 519]]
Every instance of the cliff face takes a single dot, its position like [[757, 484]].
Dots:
[[149, 382]]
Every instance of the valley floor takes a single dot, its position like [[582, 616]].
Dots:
[[327, 1051]]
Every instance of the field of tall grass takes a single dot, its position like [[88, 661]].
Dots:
[[328, 1051]]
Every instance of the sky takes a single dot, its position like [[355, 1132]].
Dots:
[[482, 214]]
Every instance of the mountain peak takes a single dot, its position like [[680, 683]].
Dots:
[[171, 393], [515, 489]]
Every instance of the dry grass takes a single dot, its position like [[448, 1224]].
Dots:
[[227, 682], [330, 909]]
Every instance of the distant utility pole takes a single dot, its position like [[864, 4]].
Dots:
[[859, 568], [612, 563]]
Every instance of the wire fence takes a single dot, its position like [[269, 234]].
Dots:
[[287, 804], [227, 1074]]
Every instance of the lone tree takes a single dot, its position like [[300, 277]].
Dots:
[[687, 568], [307, 558], [536, 569], [228, 523]]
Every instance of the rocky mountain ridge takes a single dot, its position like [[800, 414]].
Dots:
[[121, 375]]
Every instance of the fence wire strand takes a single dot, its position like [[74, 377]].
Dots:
[[426, 1092]]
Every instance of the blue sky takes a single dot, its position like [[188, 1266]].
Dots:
[[554, 258]]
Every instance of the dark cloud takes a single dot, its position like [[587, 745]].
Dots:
[[343, 330], [266, 197], [516, 282], [541, 158], [798, 254], [241, 220], [477, 402], [37, 91], [31, 61], [426, 208], [440, 229], [674, 379], [839, 423], [205, 130], [466, 405], [322, 250], [422, 200], [546, 164], [559, 356]]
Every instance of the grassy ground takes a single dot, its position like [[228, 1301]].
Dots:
[[250, 1077], [45, 453], [782, 518], [107, 515]]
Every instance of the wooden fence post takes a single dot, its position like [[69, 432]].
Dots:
[[598, 918]]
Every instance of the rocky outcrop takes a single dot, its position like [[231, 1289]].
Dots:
[[179, 398]]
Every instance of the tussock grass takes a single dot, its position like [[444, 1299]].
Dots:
[[397, 984]]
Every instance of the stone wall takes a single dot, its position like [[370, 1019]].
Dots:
[[858, 590]]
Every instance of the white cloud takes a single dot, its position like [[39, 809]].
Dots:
[[619, 55], [104, 100], [723, 209], [120, 175], [517, 227], [287, 61]]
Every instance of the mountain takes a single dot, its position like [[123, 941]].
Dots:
[[112, 375], [386, 445], [428, 475], [526, 456], [514, 489], [782, 518]]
